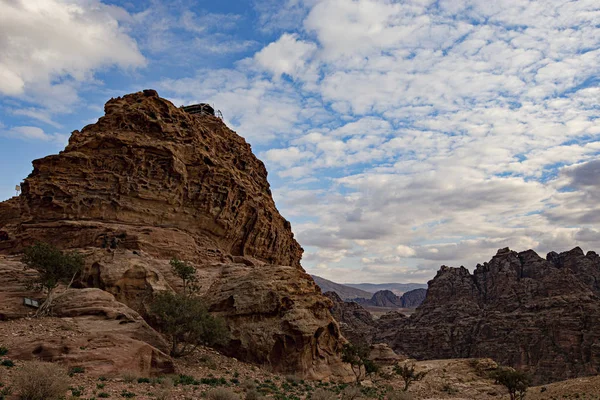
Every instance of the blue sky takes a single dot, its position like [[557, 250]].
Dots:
[[398, 135]]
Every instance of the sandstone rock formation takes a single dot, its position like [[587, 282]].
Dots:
[[542, 315], [148, 182], [356, 323], [104, 337]]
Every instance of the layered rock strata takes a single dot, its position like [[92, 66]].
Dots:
[[148, 182]]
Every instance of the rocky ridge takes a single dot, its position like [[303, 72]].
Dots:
[[541, 315], [148, 182], [387, 298]]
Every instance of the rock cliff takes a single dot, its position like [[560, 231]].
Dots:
[[148, 182], [542, 315], [356, 323]]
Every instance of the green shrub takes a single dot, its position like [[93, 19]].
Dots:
[[53, 267], [7, 363], [187, 273], [41, 381], [143, 380], [515, 381], [76, 370], [127, 394], [3, 351], [186, 322], [103, 395]]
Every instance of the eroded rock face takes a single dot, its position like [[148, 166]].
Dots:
[[149, 182], [356, 323], [147, 163], [519, 309], [104, 336]]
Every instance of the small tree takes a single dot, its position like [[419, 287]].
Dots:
[[186, 322], [187, 273], [515, 381], [358, 358], [53, 267], [408, 374]]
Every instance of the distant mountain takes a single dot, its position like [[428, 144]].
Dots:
[[387, 298], [344, 291], [398, 288]]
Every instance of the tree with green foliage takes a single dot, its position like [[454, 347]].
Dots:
[[187, 273], [358, 358], [409, 374], [54, 267], [515, 381], [186, 322]]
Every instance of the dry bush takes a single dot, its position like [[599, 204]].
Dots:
[[222, 394], [351, 393], [322, 394], [248, 384], [254, 395], [41, 381]]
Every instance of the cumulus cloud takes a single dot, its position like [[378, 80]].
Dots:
[[288, 56], [46, 44], [418, 133]]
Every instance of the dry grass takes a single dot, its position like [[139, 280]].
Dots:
[[41, 381]]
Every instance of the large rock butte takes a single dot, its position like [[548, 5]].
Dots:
[[148, 182], [541, 315]]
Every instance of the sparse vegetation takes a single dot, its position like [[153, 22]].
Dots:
[[54, 267], [322, 394], [41, 381], [222, 394], [3, 351], [187, 273], [409, 374], [357, 357], [515, 381], [186, 322]]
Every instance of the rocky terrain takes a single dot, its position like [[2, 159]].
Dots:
[[146, 183], [540, 315]]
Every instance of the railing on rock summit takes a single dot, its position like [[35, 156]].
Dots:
[[203, 109]]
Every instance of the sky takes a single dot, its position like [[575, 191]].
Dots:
[[398, 135]]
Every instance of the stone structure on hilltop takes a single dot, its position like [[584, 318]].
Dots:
[[150, 181], [542, 315]]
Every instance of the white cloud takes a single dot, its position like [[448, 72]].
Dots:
[[288, 55], [46, 43], [34, 133], [422, 132]]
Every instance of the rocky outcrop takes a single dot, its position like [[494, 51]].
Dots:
[[356, 323], [542, 315], [148, 182], [148, 164], [413, 298], [105, 337]]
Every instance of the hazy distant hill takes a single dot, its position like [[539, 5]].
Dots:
[[344, 291], [398, 288]]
